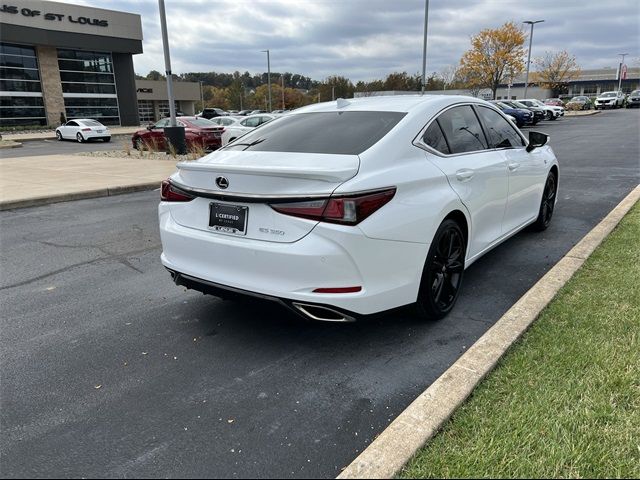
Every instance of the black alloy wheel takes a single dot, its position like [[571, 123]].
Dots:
[[79, 138], [443, 272], [548, 203]]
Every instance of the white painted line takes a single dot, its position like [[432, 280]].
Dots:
[[421, 420]]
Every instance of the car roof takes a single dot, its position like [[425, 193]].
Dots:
[[84, 120], [391, 103]]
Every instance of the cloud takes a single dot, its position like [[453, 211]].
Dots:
[[368, 39]]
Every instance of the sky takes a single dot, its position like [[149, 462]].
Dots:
[[368, 39]]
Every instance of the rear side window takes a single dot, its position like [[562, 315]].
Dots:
[[251, 122], [339, 133], [435, 138], [499, 132], [462, 130]]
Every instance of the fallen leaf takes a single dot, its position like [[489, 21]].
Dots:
[[98, 387]]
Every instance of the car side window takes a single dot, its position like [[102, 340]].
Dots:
[[435, 138], [462, 130], [162, 123], [499, 132], [72, 124], [251, 122]]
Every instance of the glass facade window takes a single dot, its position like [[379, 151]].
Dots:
[[145, 111], [92, 88], [14, 61], [91, 74], [85, 66], [86, 77], [19, 74], [163, 109], [590, 89]]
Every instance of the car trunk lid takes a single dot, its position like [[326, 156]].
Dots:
[[254, 180]]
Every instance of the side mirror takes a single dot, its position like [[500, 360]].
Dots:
[[536, 140], [150, 126]]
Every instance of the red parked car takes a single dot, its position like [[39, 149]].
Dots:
[[199, 132], [556, 102]]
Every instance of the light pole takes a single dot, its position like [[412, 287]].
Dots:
[[424, 45], [333, 93], [526, 81], [201, 98], [268, 75], [620, 70], [174, 134]]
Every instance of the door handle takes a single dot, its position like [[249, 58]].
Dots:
[[464, 175], [513, 166]]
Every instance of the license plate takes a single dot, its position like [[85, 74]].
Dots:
[[99, 131], [228, 218]]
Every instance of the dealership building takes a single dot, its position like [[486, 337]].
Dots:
[[61, 61]]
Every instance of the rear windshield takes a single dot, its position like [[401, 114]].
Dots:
[[340, 133], [201, 122], [609, 94]]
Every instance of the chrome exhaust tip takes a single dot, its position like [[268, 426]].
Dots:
[[322, 314]]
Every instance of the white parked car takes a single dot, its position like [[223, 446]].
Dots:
[[226, 121], [609, 100], [82, 130], [246, 124], [552, 112], [350, 208]]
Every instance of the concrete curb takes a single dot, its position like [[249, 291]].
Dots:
[[421, 420], [581, 113], [67, 197]]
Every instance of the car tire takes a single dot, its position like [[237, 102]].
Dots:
[[106, 139], [59, 136], [550, 116], [442, 273], [79, 138], [138, 144], [547, 204]]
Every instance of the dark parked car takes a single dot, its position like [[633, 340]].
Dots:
[[523, 116], [633, 100], [538, 112], [212, 113], [199, 132]]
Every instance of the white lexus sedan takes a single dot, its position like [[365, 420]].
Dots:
[[83, 130], [350, 208], [244, 125]]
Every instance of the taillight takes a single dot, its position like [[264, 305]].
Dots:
[[170, 193], [86, 129], [345, 210]]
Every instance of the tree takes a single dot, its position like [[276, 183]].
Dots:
[[155, 75], [555, 71], [448, 75], [493, 52], [343, 88]]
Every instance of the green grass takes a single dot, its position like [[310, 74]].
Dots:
[[565, 400]]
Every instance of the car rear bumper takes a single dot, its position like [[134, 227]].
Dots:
[[330, 256]]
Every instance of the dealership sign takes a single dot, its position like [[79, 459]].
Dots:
[[28, 12]]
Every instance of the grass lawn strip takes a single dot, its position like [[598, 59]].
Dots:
[[565, 400]]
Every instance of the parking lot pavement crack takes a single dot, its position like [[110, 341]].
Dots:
[[121, 258]]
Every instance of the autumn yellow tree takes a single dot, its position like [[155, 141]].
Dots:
[[493, 52], [555, 71]]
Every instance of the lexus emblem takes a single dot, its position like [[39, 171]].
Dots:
[[222, 182]]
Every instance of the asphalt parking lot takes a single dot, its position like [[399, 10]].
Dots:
[[54, 147], [109, 370]]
